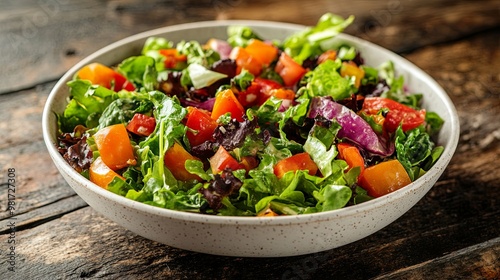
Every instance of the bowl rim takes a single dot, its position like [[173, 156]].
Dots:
[[441, 164]]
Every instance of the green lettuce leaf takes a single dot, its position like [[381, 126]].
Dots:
[[325, 80], [87, 104], [315, 40]]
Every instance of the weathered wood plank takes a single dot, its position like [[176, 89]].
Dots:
[[82, 27], [91, 244], [38, 183], [45, 213], [480, 261]]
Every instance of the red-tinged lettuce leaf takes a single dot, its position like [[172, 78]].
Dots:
[[354, 128]]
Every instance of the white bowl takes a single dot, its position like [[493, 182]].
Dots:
[[254, 236]]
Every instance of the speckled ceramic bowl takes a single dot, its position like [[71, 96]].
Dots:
[[254, 236]]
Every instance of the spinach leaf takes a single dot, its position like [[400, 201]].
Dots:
[[412, 149], [140, 70], [434, 123]]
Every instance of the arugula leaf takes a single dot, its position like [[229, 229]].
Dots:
[[196, 167], [168, 114], [360, 195], [191, 200], [119, 186], [396, 85]]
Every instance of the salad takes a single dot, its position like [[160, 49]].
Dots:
[[248, 126]]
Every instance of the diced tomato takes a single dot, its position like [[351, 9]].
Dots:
[[289, 70], [203, 125], [250, 96], [384, 178], [265, 53], [350, 69], [141, 125], [100, 174], [245, 61], [226, 102], [259, 92], [351, 155], [266, 88], [301, 161], [102, 75], [398, 113], [173, 59], [328, 55], [175, 161], [114, 146], [222, 159]]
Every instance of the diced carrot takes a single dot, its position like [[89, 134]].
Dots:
[[350, 69], [100, 174], [267, 212], [283, 93], [114, 146], [384, 178], [175, 160], [265, 53], [99, 74], [351, 155], [245, 61], [226, 102], [301, 161], [328, 55]]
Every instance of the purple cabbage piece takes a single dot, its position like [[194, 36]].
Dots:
[[354, 128]]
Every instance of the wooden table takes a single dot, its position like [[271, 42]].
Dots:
[[452, 233]]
